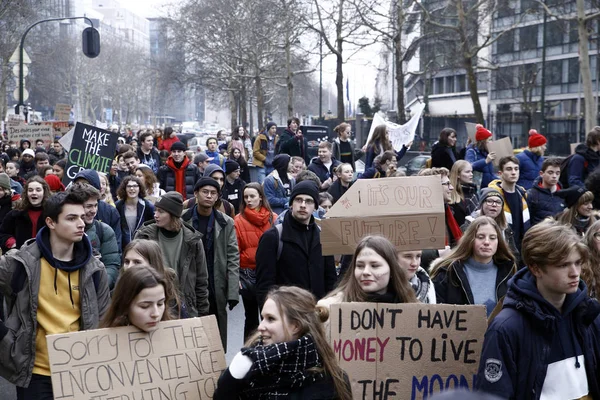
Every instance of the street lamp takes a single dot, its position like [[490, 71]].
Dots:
[[91, 48]]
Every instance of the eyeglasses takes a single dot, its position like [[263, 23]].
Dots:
[[209, 192], [491, 202], [308, 202], [597, 236]]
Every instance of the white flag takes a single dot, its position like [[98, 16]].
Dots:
[[399, 134]]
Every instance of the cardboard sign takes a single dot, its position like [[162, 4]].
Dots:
[[471, 130], [91, 148], [407, 351], [62, 112], [181, 359], [31, 133], [409, 211], [60, 128], [502, 148]]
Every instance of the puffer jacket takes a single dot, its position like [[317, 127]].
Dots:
[[249, 227], [105, 244], [529, 168], [477, 160], [543, 203], [166, 177], [20, 283], [583, 163]]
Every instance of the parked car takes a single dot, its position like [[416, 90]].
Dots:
[[197, 144], [192, 127], [414, 165]]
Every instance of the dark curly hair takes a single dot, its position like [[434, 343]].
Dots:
[[122, 190]]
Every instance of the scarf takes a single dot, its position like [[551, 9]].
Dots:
[[420, 283], [281, 368], [179, 173], [388, 297], [454, 232]]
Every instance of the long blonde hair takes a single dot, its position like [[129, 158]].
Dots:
[[590, 273], [457, 195]]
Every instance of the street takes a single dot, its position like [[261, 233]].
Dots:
[[235, 341]]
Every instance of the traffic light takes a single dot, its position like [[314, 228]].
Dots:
[[91, 42]]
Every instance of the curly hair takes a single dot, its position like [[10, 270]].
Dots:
[[122, 190]]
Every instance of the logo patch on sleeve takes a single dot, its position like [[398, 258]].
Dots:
[[493, 370]]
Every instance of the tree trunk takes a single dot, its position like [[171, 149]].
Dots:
[[233, 108], [289, 76], [260, 102], [399, 72], [243, 104], [4, 74], [584, 67], [339, 83]]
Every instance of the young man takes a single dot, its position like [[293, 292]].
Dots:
[[54, 285], [41, 160], [178, 174], [543, 343], [57, 150], [543, 198], [324, 165], [27, 164], [515, 197], [220, 246], [132, 161], [300, 261], [147, 153], [201, 161], [585, 160], [292, 141], [12, 170], [234, 186], [264, 150], [212, 152]]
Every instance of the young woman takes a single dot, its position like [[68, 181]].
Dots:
[[45, 171], [579, 214], [477, 270], [148, 178], [345, 177], [325, 201], [463, 199], [343, 147], [133, 208], [169, 137], [590, 273], [288, 355], [105, 194], [279, 183], [236, 155], [139, 299], [254, 219], [531, 159], [443, 153], [410, 262], [380, 143], [479, 157], [23, 223], [237, 142]]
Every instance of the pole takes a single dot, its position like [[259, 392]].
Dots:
[[543, 94], [21, 102], [320, 77]]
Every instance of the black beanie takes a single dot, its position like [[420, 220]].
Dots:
[[207, 181], [231, 166], [571, 195], [281, 162], [308, 188], [178, 146], [171, 202]]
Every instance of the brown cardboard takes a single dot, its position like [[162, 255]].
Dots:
[[407, 351], [574, 146], [62, 112], [503, 148], [30, 132], [181, 359], [471, 130], [407, 210]]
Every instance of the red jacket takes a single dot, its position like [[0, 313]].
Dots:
[[167, 143], [249, 228]]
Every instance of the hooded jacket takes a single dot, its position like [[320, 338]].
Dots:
[[543, 203], [320, 170], [20, 283], [104, 243], [530, 165], [583, 162], [145, 212], [477, 159], [276, 193], [523, 340], [167, 177]]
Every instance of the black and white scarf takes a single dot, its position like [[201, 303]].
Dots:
[[420, 283], [281, 368]]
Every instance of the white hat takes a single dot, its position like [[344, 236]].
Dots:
[[28, 152]]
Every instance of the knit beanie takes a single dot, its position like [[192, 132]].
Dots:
[[535, 139], [28, 152], [269, 125], [231, 166], [178, 146], [308, 188], [489, 192], [206, 181], [4, 181], [281, 162], [54, 183], [171, 202], [571, 195], [481, 133]]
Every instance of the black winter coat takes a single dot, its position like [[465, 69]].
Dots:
[[441, 156], [18, 225], [166, 179], [321, 170], [542, 203], [145, 212], [301, 262]]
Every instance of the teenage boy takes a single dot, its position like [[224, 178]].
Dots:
[[543, 343], [292, 141], [543, 198], [147, 153], [234, 186], [54, 285], [516, 210], [323, 165], [212, 152], [264, 151], [132, 161], [178, 174]]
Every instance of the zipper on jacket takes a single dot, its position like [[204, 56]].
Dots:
[[463, 288], [498, 287]]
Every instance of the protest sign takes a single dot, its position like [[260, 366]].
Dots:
[[471, 130], [90, 148], [15, 119], [409, 211], [181, 359], [62, 112], [502, 148], [399, 134], [31, 133], [59, 128], [407, 351]]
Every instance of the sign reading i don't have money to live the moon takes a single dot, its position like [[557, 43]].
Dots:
[[91, 148]]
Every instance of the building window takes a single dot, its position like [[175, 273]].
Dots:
[[506, 43], [505, 78], [450, 84], [504, 9], [461, 83], [555, 33], [554, 72], [528, 37], [573, 74]]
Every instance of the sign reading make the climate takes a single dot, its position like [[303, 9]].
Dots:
[[91, 148]]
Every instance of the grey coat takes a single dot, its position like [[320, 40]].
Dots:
[[17, 346]]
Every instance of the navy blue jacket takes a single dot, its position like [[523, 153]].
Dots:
[[543, 203], [320, 170], [371, 154], [145, 212], [584, 162], [477, 160], [529, 168], [518, 340]]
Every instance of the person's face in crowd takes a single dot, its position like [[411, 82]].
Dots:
[[42, 163], [114, 167], [466, 175], [487, 141], [492, 206], [132, 163], [212, 145], [162, 218], [558, 280], [252, 198], [550, 176], [346, 133], [241, 132], [27, 158], [134, 259], [140, 175], [147, 309], [13, 145], [326, 205], [91, 208], [452, 139], [234, 175], [586, 209], [103, 186], [346, 175], [178, 155], [134, 144], [302, 208], [207, 196], [485, 244], [35, 193], [236, 153], [293, 126], [1, 167], [11, 170], [510, 172], [324, 154], [57, 147], [540, 150], [133, 189], [39, 143], [148, 143], [70, 225], [597, 239], [410, 261], [202, 165], [58, 171], [25, 145], [274, 327], [391, 165], [273, 130], [219, 177], [372, 272], [297, 167], [121, 164], [221, 135], [447, 189]]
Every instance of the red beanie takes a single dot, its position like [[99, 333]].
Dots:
[[54, 183], [481, 133], [535, 139]]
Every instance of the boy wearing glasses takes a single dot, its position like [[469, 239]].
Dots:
[[543, 197], [300, 261]]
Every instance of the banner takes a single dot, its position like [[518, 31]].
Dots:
[[31, 133], [407, 351], [90, 148], [182, 359], [62, 112], [399, 134], [60, 128]]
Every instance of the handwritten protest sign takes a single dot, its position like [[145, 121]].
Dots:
[[90, 148], [502, 147], [407, 351], [30, 132], [62, 112], [181, 359], [409, 211]]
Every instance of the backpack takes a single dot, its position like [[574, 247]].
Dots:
[[564, 170]]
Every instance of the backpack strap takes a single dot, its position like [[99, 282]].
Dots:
[[279, 228], [99, 231]]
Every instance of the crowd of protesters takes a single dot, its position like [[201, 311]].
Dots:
[[169, 234]]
